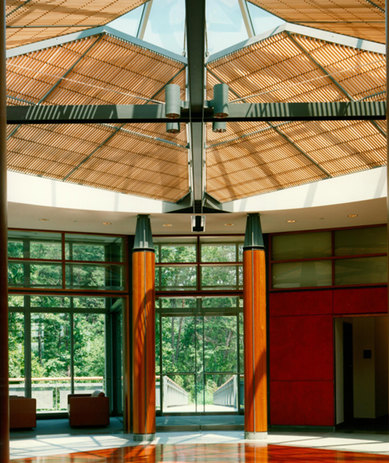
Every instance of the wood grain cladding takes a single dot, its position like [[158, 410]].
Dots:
[[357, 18], [255, 371], [143, 322], [30, 21]]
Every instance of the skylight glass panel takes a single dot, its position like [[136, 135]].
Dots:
[[262, 20], [129, 22], [225, 26], [166, 25]]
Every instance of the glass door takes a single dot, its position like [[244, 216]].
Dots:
[[198, 362]]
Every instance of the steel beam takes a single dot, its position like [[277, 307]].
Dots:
[[74, 114], [4, 403], [195, 30]]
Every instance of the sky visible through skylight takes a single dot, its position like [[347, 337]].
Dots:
[[225, 25]]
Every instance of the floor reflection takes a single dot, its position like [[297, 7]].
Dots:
[[215, 453]]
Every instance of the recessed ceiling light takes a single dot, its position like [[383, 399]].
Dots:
[[107, 223], [44, 220], [167, 224], [291, 221], [352, 216], [229, 224]]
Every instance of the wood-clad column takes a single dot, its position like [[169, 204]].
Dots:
[[4, 407], [254, 303], [143, 331]]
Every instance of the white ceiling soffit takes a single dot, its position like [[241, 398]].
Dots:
[[39, 203]]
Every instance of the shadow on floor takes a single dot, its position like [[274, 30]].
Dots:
[[61, 427]]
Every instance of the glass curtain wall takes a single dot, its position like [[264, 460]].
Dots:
[[67, 294], [199, 354]]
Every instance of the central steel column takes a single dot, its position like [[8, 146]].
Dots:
[[4, 406], [143, 331], [254, 308]]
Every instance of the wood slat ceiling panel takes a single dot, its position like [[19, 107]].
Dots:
[[54, 151], [358, 18], [275, 70], [94, 77], [125, 184], [360, 73], [353, 145], [31, 21]]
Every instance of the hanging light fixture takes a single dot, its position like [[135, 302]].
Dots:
[[219, 126], [172, 127], [172, 101], [220, 100]]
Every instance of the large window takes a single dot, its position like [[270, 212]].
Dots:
[[65, 306], [65, 261], [199, 356], [199, 264], [329, 258]]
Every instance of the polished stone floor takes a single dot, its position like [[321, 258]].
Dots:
[[54, 441], [185, 453]]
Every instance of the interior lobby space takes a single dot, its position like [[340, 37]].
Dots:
[[193, 231]]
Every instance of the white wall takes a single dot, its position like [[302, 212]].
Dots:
[[364, 369]]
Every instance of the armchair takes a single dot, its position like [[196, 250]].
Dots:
[[22, 412], [88, 409]]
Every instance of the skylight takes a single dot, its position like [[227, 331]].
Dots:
[[164, 23]]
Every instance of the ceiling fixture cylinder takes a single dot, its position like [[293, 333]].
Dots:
[[219, 126], [172, 101], [220, 100], [172, 127]]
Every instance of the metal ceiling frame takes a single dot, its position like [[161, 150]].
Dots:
[[38, 46], [330, 37], [88, 114], [195, 36]]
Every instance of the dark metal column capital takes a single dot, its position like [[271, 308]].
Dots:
[[143, 236], [253, 237]]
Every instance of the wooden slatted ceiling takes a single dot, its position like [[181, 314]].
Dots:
[[358, 18], [266, 161], [104, 70], [277, 69], [35, 20], [252, 158], [126, 163]]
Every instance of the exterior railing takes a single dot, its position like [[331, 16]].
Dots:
[[227, 393], [51, 393], [173, 393]]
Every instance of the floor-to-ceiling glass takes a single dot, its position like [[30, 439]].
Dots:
[[198, 355]]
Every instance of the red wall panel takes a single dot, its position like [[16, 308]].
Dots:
[[360, 300], [301, 348], [300, 303], [302, 403]]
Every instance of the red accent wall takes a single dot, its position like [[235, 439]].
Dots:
[[301, 350]]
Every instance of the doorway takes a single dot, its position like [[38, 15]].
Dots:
[[361, 371], [199, 358]]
